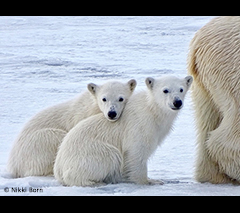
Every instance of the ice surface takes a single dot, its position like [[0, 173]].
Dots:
[[46, 60]]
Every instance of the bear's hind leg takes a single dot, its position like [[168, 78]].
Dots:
[[223, 146], [39, 154], [208, 118], [96, 164]]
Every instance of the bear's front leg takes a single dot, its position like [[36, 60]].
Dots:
[[135, 174], [139, 176], [135, 169]]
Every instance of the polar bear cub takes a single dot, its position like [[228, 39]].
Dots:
[[35, 149], [96, 151]]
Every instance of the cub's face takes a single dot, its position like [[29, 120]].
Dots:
[[169, 91], [112, 97]]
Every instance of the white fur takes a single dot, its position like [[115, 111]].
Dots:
[[35, 149], [214, 61], [112, 97], [96, 151]]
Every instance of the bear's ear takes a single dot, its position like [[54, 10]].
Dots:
[[149, 82], [132, 84], [189, 80], [92, 88]]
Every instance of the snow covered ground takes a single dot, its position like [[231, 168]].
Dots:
[[46, 60]]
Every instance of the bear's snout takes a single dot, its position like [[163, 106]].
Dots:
[[177, 104], [112, 114]]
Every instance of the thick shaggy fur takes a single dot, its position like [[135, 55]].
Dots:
[[214, 61], [96, 151], [35, 149]]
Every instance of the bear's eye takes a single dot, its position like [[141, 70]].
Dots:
[[181, 90], [121, 99], [104, 99], [165, 91]]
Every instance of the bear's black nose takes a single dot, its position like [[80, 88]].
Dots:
[[177, 103], [112, 114]]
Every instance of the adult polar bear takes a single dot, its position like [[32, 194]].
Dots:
[[214, 61], [96, 151], [35, 149]]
